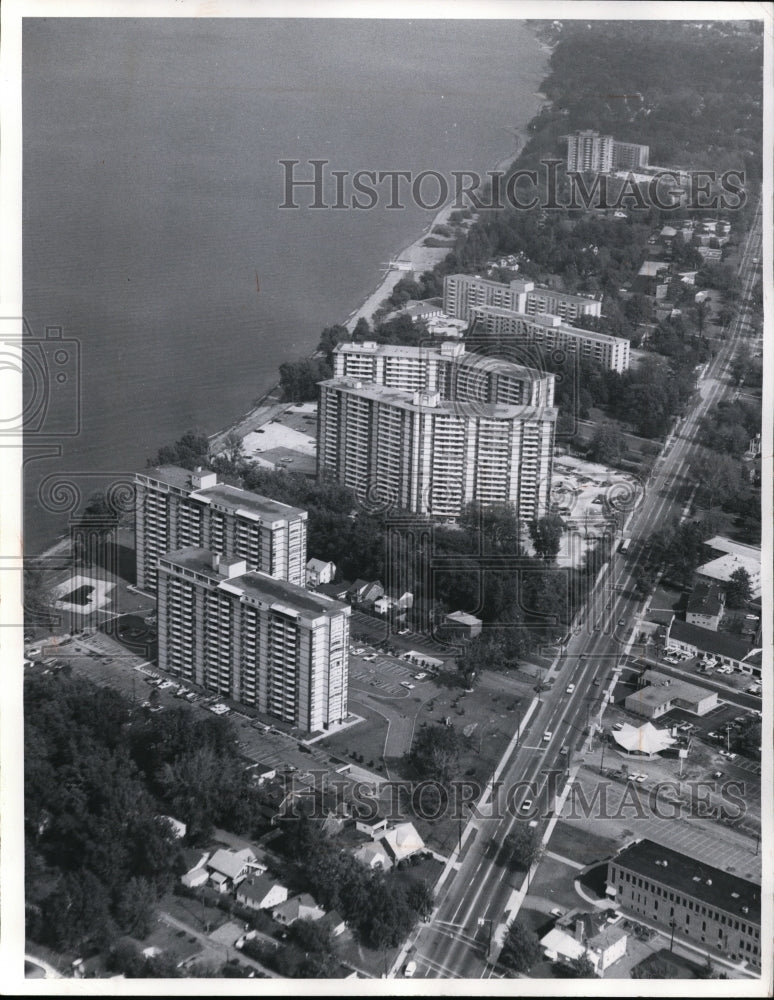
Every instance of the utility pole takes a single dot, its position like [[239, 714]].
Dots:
[[602, 760], [672, 924]]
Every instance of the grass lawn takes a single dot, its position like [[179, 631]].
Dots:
[[580, 845], [554, 882], [365, 739]]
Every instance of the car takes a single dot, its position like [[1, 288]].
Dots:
[[596, 682], [717, 774], [407, 685], [713, 736], [547, 736], [756, 260], [420, 676], [409, 969], [404, 631], [370, 657], [640, 778], [621, 621], [526, 805], [570, 688], [565, 751], [584, 656]]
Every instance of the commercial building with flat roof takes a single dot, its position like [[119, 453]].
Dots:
[[551, 334], [247, 636], [730, 557], [464, 292], [420, 453], [176, 508], [718, 911], [730, 650], [658, 694]]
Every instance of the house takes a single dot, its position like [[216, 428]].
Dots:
[[262, 772], [228, 868], [338, 591], [196, 873], [363, 592], [261, 893], [372, 826], [334, 923], [462, 625], [705, 606], [373, 855], [303, 907], [394, 599], [401, 842], [595, 936], [318, 571]]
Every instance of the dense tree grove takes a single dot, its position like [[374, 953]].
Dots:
[[380, 907], [521, 948], [98, 778]]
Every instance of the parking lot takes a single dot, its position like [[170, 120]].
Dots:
[[388, 675]]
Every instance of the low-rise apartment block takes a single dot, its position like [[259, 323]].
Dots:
[[464, 292], [551, 334]]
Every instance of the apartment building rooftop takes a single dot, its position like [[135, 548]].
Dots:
[[550, 320], [431, 402], [264, 588], [233, 497]]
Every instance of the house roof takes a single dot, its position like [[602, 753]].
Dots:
[[719, 543], [368, 852], [402, 841], [462, 618], [333, 919], [334, 589], [705, 600], [693, 878], [231, 863], [258, 887], [708, 641], [294, 908], [318, 564], [563, 943]]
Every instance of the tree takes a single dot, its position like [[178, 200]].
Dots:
[[582, 968], [605, 445], [546, 534], [522, 846], [738, 589], [747, 738], [191, 450], [435, 753], [521, 948], [298, 379]]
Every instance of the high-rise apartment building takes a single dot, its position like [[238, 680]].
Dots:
[[590, 152], [254, 639], [175, 508], [464, 292], [427, 455], [446, 369], [551, 334]]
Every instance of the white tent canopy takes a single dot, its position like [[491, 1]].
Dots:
[[645, 740]]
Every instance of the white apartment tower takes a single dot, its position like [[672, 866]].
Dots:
[[175, 508], [446, 369], [253, 639], [420, 453]]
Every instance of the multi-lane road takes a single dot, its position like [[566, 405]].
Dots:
[[479, 893]]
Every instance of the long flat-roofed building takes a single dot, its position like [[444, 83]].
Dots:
[[658, 694], [446, 369], [718, 911], [420, 453], [254, 639], [175, 508], [551, 334], [464, 292]]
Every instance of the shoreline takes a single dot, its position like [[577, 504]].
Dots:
[[420, 258]]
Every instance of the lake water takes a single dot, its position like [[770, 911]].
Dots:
[[152, 188]]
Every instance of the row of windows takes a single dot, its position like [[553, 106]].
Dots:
[[688, 903]]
